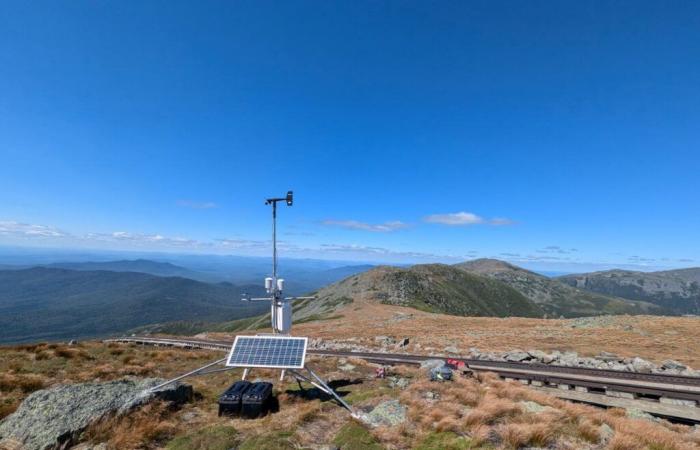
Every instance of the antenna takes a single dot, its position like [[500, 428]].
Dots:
[[281, 308]]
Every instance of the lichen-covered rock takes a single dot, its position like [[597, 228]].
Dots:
[[389, 413], [606, 433], [347, 367], [673, 365], [517, 356], [642, 366], [384, 340], [534, 407], [398, 382], [635, 413], [432, 363], [538, 355], [53, 418]]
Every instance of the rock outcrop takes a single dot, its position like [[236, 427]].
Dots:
[[53, 418]]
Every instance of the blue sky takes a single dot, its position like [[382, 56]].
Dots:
[[551, 133]]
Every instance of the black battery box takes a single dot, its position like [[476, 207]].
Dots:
[[230, 401], [257, 400]]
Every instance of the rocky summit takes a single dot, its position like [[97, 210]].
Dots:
[[54, 418], [436, 288]]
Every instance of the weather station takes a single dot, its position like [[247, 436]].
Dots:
[[276, 350]]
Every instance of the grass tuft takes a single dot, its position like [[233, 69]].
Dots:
[[218, 437], [354, 436]]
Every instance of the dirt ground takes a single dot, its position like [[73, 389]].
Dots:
[[650, 337]]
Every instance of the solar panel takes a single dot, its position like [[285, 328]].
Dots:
[[281, 352]]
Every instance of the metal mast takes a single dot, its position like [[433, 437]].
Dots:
[[281, 308]]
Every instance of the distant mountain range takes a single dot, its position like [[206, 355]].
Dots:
[[557, 299], [302, 275], [64, 300], [676, 291], [51, 303], [161, 269]]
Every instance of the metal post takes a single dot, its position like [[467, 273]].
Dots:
[[274, 246], [275, 290]]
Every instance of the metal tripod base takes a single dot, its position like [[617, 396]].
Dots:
[[315, 380], [312, 379]]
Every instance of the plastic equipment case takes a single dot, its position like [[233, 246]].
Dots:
[[257, 400], [230, 400]]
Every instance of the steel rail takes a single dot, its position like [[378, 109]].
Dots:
[[677, 382]]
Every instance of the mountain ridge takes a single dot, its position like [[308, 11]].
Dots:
[[675, 290], [429, 287], [554, 297]]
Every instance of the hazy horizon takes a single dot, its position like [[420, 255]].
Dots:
[[17, 256]]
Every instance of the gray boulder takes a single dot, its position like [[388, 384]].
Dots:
[[451, 349], [642, 366], [384, 340], [347, 367], [568, 359], [54, 418], [618, 366], [432, 363], [635, 413], [389, 413], [606, 433], [398, 382], [534, 407], [516, 355], [542, 357], [608, 357], [673, 365]]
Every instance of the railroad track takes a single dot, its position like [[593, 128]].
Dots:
[[670, 396]]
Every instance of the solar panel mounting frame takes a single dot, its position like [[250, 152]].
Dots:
[[300, 365]]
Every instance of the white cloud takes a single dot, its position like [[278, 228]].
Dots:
[[17, 229], [240, 244], [458, 218], [556, 249], [196, 205], [144, 239], [356, 225], [387, 254], [501, 221], [464, 218]]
